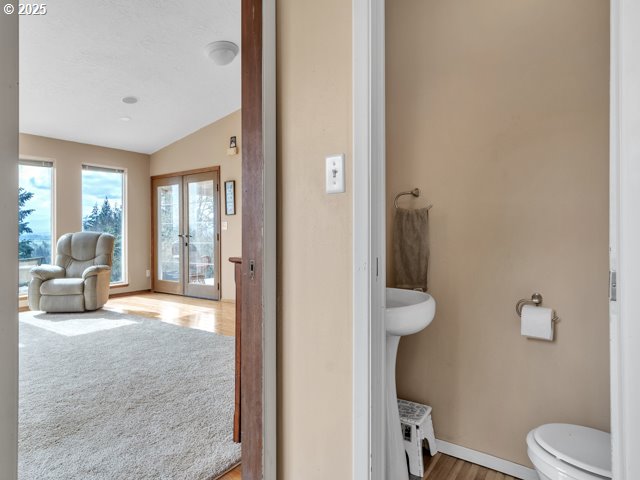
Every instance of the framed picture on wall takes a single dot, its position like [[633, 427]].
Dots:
[[230, 197]]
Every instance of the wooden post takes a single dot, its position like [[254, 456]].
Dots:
[[236, 415]]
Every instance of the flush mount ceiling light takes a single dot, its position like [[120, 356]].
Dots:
[[125, 119], [130, 100], [222, 52]]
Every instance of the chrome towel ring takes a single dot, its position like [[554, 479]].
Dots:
[[415, 192]]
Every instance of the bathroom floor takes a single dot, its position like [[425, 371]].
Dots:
[[444, 467]]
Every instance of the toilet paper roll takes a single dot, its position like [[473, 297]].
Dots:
[[537, 322]]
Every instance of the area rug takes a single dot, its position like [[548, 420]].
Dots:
[[110, 396]]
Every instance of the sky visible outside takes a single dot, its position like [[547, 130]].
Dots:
[[98, 185], [95, 187], [38, 180]]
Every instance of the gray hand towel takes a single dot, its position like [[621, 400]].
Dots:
[[411, 248]]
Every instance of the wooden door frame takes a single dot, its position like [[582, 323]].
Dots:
[[258, 385], [154, 239]]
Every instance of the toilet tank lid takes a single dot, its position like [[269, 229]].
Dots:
[[586, 448]]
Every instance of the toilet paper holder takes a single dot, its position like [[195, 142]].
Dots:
[[536, 299]]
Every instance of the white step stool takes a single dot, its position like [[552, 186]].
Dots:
[[416, 424]]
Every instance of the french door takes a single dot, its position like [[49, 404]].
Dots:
[[187, 235]]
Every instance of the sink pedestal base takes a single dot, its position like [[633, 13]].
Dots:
[[396, 458], [407, 312]]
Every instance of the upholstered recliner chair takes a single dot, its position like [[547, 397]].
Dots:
[[79, 280]]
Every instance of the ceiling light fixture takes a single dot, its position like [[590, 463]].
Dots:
[[125, 119], [130, 100], [222, 52]]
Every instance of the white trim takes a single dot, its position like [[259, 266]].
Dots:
[[378, 236], [369, 276], [486, 460], [361, 252], [269, 281], [614, 324], [625, 237]]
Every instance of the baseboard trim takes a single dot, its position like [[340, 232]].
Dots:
[[488, 461], [128, 294]]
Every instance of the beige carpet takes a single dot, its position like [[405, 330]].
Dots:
[[114, 397]]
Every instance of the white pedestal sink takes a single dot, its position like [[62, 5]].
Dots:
[[407, 312]]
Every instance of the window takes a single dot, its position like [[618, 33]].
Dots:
[[104, 210], [35, 217]]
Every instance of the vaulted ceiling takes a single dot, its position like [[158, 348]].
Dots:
[[82, 58]]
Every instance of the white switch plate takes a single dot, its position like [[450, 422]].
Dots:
[[225, 225], [334, 174], [148, 273]]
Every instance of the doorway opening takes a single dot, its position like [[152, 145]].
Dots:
[[186, 234], [196, 261], [395, 177]]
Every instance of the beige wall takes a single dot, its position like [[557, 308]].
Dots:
[[207, 148], [69, 158], [498, 111], [314, 241], [8, 246]]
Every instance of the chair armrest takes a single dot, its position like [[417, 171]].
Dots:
[[95, 270], [47, 272]]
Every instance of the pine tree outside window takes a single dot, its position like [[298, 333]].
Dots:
[[104, 210], [35, 217]]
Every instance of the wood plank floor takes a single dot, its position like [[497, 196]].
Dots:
[[235, 474], [444, 467], [216, 317]]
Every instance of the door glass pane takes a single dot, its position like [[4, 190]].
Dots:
[[35, 217], [169, 244], [202, 223]]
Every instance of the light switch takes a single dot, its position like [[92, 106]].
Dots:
[[225, 225], [334, 174]]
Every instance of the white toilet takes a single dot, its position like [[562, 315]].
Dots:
[[561, 451]]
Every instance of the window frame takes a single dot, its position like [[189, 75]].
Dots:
[[33, 160], [124, 282]]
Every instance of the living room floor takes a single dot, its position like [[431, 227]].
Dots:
[[208, 315]]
